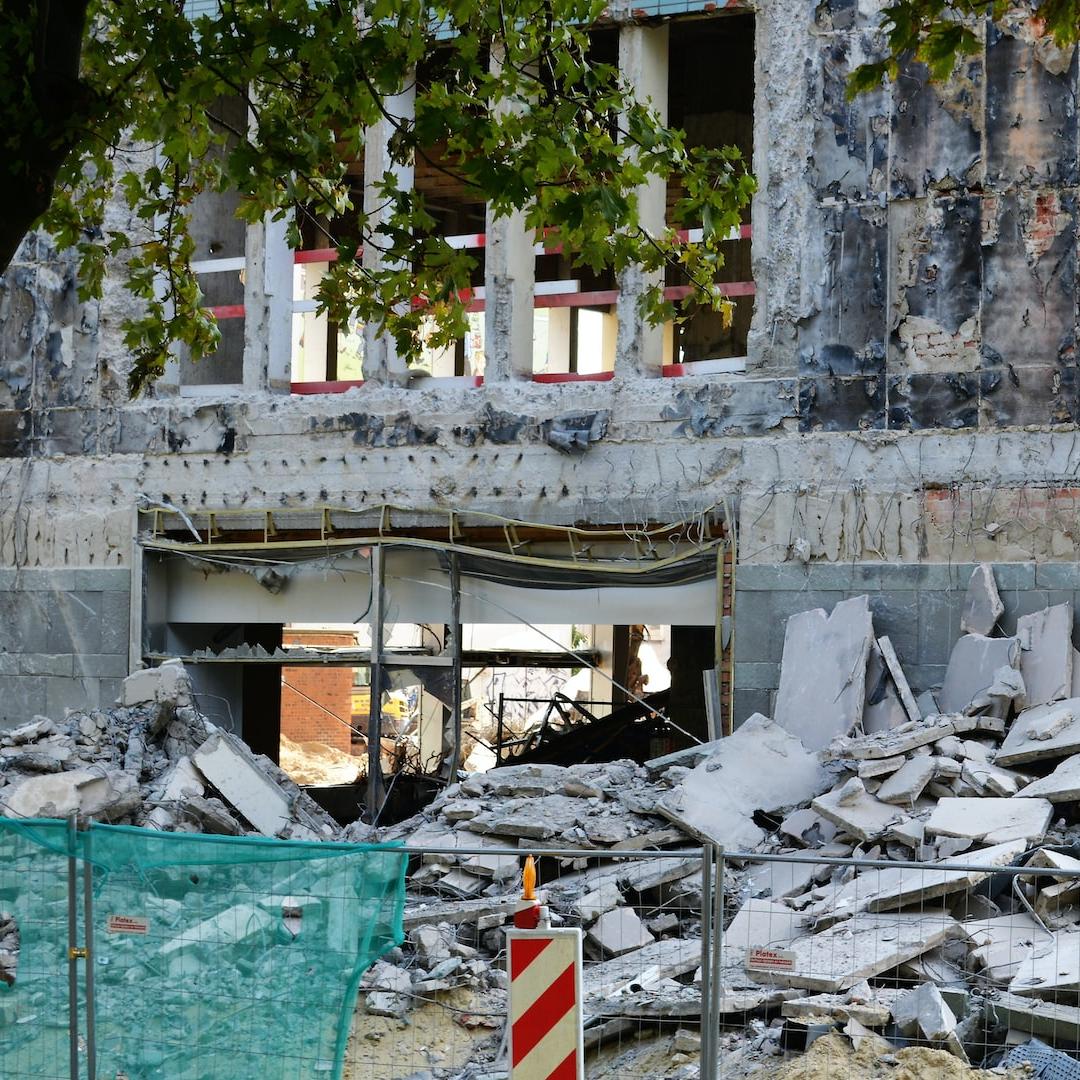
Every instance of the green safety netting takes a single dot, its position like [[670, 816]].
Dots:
[[215, 958]]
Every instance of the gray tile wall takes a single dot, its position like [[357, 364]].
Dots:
[[63, 640]]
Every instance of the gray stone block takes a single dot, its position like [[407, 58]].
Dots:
[[103, 579], [24, 622], [43, 580], [1020, 602], [1057, 575], [115, 617], [101, 665], [75, 622], [9, 663], [847, 577], [753, 627], [1014, 575], [896, 614], [757, 676], [786, 604], [896, 577], [748, 702], [22, 697], [761, 577], [46, 664], [944, 577], [939, 626], [70, 693], [109, 691], [924, 676], [8, 578]]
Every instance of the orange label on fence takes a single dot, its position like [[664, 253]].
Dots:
[[127, 924], [760, 958]]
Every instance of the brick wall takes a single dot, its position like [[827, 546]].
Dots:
[[331, 687]]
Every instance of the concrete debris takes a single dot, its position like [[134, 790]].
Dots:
[[883, 709], [982, 604], [896, 673], [990, 821], [1046, 658], [923, 1012], [156, 762], [823, 672], [1045, 731], [1062, 785], [973, 668], [760, 768]]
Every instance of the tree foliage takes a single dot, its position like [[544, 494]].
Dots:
[[548, 130], [939, 32]]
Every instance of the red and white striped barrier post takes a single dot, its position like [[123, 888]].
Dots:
[[546, 1039]]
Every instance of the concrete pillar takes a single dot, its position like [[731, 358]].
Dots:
[[509, 279], [268, 299], [643, 61], [381, 360]]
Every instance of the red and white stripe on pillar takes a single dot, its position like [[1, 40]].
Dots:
[[546, 1041]]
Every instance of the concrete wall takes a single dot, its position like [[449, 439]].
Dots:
[[911, 394], [917, 606], [63, 640]]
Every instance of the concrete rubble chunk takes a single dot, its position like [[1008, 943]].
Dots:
[[883, 709], [855, 812], [227, 764], [761, 923], [895, 743], [1046, 657], [896, 671], [760, 767], [1062, 785], [823, 672], [893, 888], [905, 785], [1045, 731], [1000, 944], [664, 959], [167, 682], [992, 821], [391, 990], [862, 947], [1033, 1017], [618, 931], [1005, 694], [972, 666], [1049, 966], [923, 1012], [808, 827], [873, 1013], [982, 604]]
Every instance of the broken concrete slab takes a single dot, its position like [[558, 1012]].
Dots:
[[862, 947], [905, 785], [779, 879], [1005, 695], [890, 889], [106, 796], [991, 821], [761, 923], [808, 827], [1045, 731], [167, 682], [923, 1012], [761, 767], [618, 931], [972, 666], [1034, 1017], [874, 768], [883, 709], [895, 743], [896, 671], [1062, 785], [823, 672], [664, 959], [1049, 966], [982, 603], [226, 763], [992, 779], [1046, 656], [856, 812], [1000, 944]]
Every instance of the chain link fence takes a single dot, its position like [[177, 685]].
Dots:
[[131, 954]]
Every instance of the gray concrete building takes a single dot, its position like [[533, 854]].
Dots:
[[896, 401]]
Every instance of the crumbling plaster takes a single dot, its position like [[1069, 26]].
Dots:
[[911, 369]]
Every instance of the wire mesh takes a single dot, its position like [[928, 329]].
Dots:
[[936, 966], [640, 913], [213, 956]]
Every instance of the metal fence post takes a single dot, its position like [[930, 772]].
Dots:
[[717, 959], [707, 1060], [88, 952], [73, 953]]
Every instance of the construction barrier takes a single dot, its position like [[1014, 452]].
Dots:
[[546, 1038]]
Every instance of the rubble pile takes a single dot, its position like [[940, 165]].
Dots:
[[153, 761], [947, 954]]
